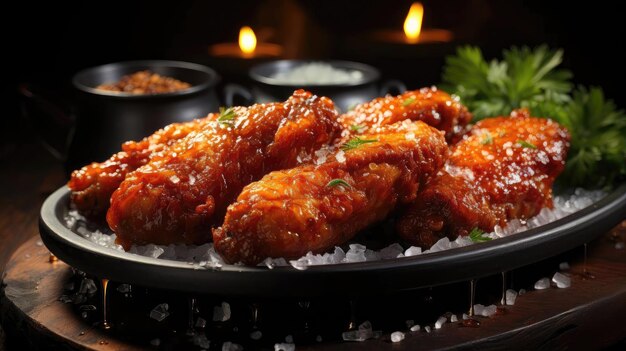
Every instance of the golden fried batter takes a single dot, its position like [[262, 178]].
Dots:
[[314, 207], [429, 105], [503, 169], [93, 185], [179, 195]]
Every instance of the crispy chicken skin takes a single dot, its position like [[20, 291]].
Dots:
[[180, 195], [93, 185], [290, 212], [503, 169], [429, 105]]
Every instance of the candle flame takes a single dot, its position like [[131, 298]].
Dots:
[[413, 22], [247, 40]]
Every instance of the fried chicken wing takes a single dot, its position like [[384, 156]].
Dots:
[[429, 105], [314, 207], [503, 169], [93, 185], [179, 195]]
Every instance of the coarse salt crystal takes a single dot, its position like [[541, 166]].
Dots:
[[542, 283], [284, 347], [440, 322], [221, 313], [160, 312], [413, 251], [340, 156], [397, 336], [510, 296], [561, 280], [415, 328]]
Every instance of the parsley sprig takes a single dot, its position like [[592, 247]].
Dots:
[[227, 116], [478, 236], [338, 182], [356, 142]]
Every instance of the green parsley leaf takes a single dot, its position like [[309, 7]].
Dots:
[[356, 142], [356, 128], [526, 144], [487, 139], [523, 78], [227, 116], [478, 236], [408, 101], [338, 182]]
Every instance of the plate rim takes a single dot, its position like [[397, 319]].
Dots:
[[345, 278]]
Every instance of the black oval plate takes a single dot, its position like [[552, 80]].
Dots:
[[349, 279]]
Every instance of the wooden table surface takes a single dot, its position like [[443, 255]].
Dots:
[[587, 315]]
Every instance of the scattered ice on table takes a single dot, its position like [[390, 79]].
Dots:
[[441, 245], [564, 266], [87, 308], [397, 336], [522, 292], [221, 313], [478, 309], [542, 283], [561, 280], [415, 328], [160, 312], [363, 333], [124, 288], [155, 342], [256, 335], [201, 341], [284, 347], [200, 323], [465, 316], [427, 328], [87, 287], [356, 253], [231, 346], [490, 310], [510, 296], [454, 318], [409, 323], [440, 322]]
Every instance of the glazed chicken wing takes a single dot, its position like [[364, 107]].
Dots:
[[429, 105], [179, 195], [314, 207], [93, 185], [503, 169]]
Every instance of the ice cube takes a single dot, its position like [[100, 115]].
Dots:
[[490, 310], [230, 346], [221, 313], [201, 341], [391, 251], [284, 347], [454, 318], [397, 336], [440, 322], [542, 283], [256, 335], [415, 328], [510, 296], [561, 280], [88, 287], [159, 313], [200, 323]]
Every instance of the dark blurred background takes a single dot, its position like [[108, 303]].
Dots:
[[54, 40]]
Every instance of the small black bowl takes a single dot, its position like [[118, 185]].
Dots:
[[345, 95], [105, 119]]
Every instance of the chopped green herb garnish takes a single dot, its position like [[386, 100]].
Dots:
[[227, 116], [353, 106], [356, 128], [356, 142], [338, 182], [487, 139], [526, 144], [408, 101], [501, 133], [478, 236]]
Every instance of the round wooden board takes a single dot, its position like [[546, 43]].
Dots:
[[588, 315]]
